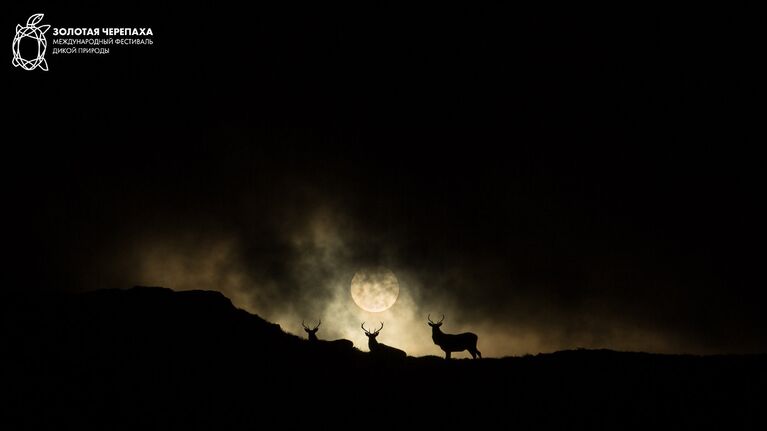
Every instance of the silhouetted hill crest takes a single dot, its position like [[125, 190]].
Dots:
[[158, 356]]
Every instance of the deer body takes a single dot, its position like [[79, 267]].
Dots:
[[454, 342], [379, 349], [341, 343], [311, 333]]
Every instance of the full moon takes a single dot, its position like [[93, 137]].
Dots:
[[375, 289]]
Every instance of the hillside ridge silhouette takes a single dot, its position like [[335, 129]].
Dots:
[[151, 356]]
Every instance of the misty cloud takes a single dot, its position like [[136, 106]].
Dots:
[[304, 272]]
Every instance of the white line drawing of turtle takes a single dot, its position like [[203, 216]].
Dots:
[[31, 31]]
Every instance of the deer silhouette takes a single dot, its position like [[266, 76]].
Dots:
[[453, 342], [380, 349], [312, 334]]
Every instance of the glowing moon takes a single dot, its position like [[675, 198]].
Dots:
[[375, 289]]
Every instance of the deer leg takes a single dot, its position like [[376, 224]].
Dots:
[[447, 355]]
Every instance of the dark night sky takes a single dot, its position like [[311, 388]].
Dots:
[[581, 177]]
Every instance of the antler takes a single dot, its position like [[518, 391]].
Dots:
[[302, 324], [440, 321], [373, 332], [318, 324]]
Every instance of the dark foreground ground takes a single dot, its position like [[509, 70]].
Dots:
[[154, 358]]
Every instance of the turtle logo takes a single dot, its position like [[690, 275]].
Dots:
[[31, 31]]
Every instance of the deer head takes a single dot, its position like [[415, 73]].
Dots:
[[312, 332], [372, 342], [372, 334], [433, 324]]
